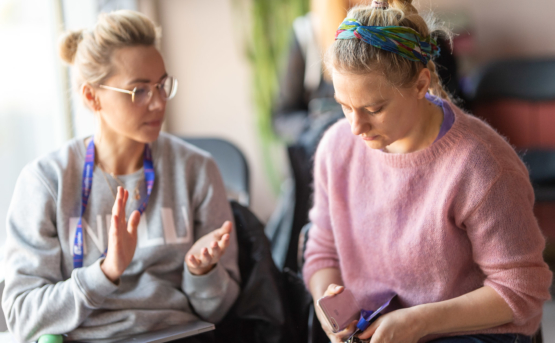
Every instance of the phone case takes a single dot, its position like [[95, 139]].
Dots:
[[340, 310]]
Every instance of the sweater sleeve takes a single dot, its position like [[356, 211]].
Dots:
[[213, 294], [507, 244], [36, 299], [320, 250]]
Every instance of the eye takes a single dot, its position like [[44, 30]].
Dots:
[[141, 90], [345, 109], [374, 112]]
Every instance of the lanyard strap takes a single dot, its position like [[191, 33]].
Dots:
[[86, 187]]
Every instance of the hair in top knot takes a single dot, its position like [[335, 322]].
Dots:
[[382, 4], [68, 45], [90, 51]]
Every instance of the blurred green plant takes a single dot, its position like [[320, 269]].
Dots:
[[266, 28]]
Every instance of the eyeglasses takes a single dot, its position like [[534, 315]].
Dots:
[[141, 95]]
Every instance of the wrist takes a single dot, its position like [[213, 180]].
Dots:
[[422, 319], [200, 271], [110, 272]]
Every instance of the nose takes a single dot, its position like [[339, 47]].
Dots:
[[156, 102], [359, 123]]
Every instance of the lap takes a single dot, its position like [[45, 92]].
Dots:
[[504, 338]]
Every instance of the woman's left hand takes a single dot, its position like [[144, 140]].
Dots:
[[401, 326], [206, 251]]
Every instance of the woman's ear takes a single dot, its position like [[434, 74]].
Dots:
[[90, 98], [423, 82]]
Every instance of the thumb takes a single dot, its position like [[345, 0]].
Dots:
[[226, 228], [369, 332], [333, 289], [133, 223]]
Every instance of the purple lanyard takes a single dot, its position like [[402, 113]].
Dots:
[[86, 191]]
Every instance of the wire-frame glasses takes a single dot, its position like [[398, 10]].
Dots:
[[141, 95]]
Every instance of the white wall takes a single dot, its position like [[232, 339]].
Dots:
[[505, 28], [202, 49]]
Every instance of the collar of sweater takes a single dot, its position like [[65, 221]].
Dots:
[[420, 157]]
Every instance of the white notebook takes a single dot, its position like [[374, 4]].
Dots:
[[171, 333]]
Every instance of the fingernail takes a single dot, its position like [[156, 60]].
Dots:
[[337, 288]]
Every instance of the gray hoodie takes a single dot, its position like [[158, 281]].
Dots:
[[44, 294]]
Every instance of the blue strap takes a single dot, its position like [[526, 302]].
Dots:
[[86, 187]]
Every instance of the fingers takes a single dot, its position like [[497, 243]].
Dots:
[[193, 262], [206, 257], [226, 228], [121, 201], [202, 261], [345, 333], [115, 224], [333, 289], [370, 330], [133, 223]]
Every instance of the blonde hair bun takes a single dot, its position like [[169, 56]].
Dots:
[[69, 41], [90, 51]]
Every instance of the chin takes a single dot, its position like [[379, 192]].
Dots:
[[148, 137], [377, 145]]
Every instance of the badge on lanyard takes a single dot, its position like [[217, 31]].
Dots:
[[86, 187]]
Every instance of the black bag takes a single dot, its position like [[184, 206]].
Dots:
[[261, 313]]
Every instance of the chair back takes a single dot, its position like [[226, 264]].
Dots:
[[232, 164], [517, 98]]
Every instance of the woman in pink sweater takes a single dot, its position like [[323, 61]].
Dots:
[[415, 197]]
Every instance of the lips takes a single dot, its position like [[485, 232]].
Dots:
[[369, 138], [154, 123]]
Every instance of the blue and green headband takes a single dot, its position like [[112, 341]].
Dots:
[[400, 40]]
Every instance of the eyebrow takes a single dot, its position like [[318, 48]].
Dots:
[[146, 80], [367, 105]]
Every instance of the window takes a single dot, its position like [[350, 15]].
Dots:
[[39, 111], [34, 116]]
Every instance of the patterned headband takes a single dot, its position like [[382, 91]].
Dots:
[[397, 39]]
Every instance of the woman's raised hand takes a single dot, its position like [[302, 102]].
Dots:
[[206, 251], [122, 238], [340, 336]]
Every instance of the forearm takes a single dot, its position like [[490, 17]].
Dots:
[[57, 308], [321, 279], [477, 310]]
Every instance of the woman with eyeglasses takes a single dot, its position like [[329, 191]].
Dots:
[[126, 231]]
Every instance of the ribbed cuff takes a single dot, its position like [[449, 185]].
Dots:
[[93, 283], [209, 285]]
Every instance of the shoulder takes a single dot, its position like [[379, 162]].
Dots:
[[482, 146], [50, 169], [480, 161]]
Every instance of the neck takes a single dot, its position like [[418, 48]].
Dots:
[[117, 154], [424, 133]]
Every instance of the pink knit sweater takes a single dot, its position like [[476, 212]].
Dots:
[[430, 225]]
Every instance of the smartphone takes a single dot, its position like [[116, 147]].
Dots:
[[340, 309]]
